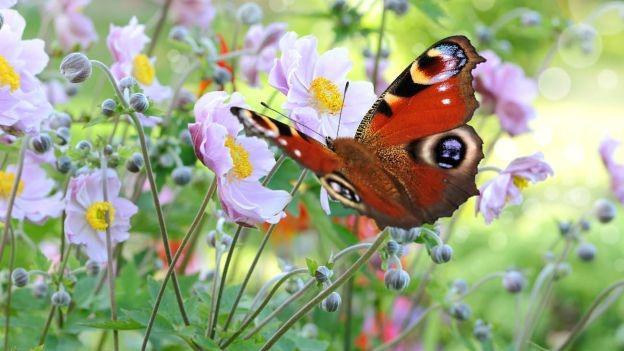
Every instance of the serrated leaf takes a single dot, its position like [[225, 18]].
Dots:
[[128, 324]]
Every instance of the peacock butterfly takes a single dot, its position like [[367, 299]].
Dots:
[[413, 158]]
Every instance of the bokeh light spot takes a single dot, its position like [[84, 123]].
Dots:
[[554, 83], [580, 45], [608, 79]]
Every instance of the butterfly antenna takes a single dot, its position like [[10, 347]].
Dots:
[[265, 105], [344, 95]]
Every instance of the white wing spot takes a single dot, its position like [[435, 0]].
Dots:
[[282, 142], [446, 101], [443, 88], [297, 153]]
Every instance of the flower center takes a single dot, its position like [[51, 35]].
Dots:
[[327, 95], [8, 76], [520, 182], [240, 157], [96, 215], [6, 184], [143, 70]]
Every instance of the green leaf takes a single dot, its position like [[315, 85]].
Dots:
[[128, 324], [312, 266]]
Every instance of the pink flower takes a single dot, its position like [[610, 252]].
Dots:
[[380, 82], [74, 30], [86, 210], [126, 45], [506, 91], [239, 162], [314, 87], [263, 43], [35, 200], [616, 170], [23, 103], [55, 91], [51, 251], [193, 12], [506, 187]]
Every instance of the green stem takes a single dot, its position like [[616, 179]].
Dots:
[[46, 327], [159, 26], [382, 28], [109, 256], [215, 282], [323, 294]]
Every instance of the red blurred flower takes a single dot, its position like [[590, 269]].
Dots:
[[204, 84]]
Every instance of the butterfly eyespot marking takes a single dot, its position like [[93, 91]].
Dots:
[[340, 189], [449, 152]]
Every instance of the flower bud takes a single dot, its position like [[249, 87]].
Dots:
[[530, 18], [60, 119], [460, 286], [84, 146], [178, 33], [41, 143], [71, 90], [565, 227], [62, 136], [139, 102], [39, 289], [399, 7], [108, 107], [185, 98], [63, 164], [19, 276], [134, 163], [226, 241], [441, 254], [460, 311], [93, 268], [392, 247], [127, 83], [249, 13], [586, 252], [309, 331], [585, 225], [411, 235], [182, 175], [331, 302], [604, 210], [61, 298], [322, 274], [396, 279], [185, 137], [484, 34], [339, 5], [513, 281], [76, 67], [113, 160], [482, 331], [221, 75], [108, 150], [562, 270]]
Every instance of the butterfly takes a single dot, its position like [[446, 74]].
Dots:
[[413, 158]]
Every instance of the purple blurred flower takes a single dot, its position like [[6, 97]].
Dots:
[[193, 12], [34, 200], [506, 91], [56, 93], [23, 103], [506, 188], [5, 4], [314, 86], [126, 45], [86, 210], [263, 43], [616, 170], [380, 83], [239, 162], [73, 29]]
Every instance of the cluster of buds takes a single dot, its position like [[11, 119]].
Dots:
[[323, 275], [218, 238]]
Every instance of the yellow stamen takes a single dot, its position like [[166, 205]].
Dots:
[[240, 157], [327, 95], [8, 76], [520, 182], [6, 184], [143, 70], [96, 215]]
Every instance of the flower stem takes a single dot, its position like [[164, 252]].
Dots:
[[170, 271], [265, 239], [589, 315], [46, 327], [159, 26], [323, 294], [109, 256], [215, 279], [382, 28]]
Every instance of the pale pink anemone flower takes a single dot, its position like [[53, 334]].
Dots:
[[126, 45], [506, 187], [36, 200], [74, 30], [507, 92], [380, 82], [23, 101], [189, 13], [262, 42], [238, 161], [607, 150], [86, 211]]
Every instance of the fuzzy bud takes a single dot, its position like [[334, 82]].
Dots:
[[482, 331], [221, 75], [84, 146], [178, 33], [249, 13], [399, 7], [322, 274], [586, 252], [513, 281], [108, 150], [60, 119], [62, 136], [441, 254], [76, 67], [585, 225], [61, 298], [396, 279], [530, 18], [460, 311], [484, 34], [139, 102], [339, 5], [134, 163], [63, 164], [565, 227], [41, 143], [182, 175], [108, 107], [403, 236], [392, 247], [604, 210], [331, 302], [460, 286], [127, 83], [93, 268], [19, 276], [39, 289], [71, 90]]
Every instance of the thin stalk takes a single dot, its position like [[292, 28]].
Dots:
[[323, 294], [46, 327], [109, 256], [170, 271], [265, 239], [589, 315], [382, 28], [159, 26], [214, 291], [179, 86], [348, 315], [7, 310]]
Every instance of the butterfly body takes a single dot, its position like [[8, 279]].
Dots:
[[413, 158]]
